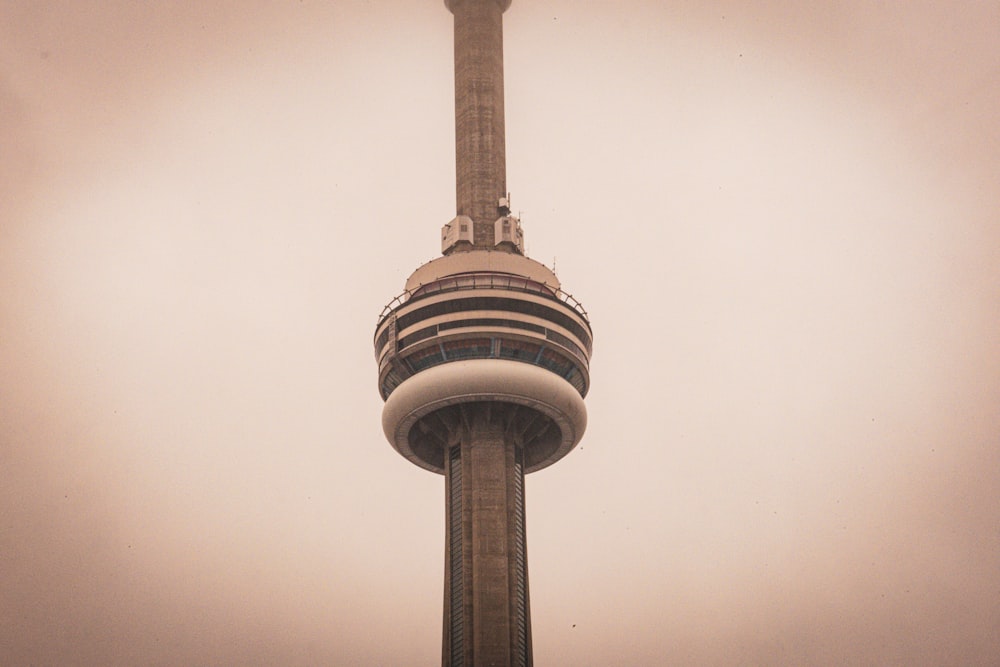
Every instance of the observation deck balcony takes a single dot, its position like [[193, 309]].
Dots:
[[483, 315], [484, 280]]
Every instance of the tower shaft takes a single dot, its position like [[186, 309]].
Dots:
[[480, 151], [486, 614]]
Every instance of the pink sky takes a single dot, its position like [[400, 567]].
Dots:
[[781, 216]]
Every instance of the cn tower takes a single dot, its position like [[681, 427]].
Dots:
[[483, 363]]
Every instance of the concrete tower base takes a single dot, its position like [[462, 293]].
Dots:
[[486, 612]]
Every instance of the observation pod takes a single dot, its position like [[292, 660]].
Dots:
[[481, 327]]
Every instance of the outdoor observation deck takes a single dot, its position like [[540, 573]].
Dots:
[[483, 315]]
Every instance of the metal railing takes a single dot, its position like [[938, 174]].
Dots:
[[484, 280]]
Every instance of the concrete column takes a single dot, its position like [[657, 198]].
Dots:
[[480, 151], [489, 543], [487, 623]]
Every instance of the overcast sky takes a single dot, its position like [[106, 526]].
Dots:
[[783, 218]]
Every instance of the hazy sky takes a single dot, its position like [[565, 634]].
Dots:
[[782, 216]]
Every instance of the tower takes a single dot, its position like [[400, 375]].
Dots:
[[483, 365]]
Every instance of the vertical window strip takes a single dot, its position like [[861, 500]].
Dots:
[[520, 565], [457, 621]]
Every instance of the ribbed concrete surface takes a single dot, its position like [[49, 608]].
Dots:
[[492, 572]]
